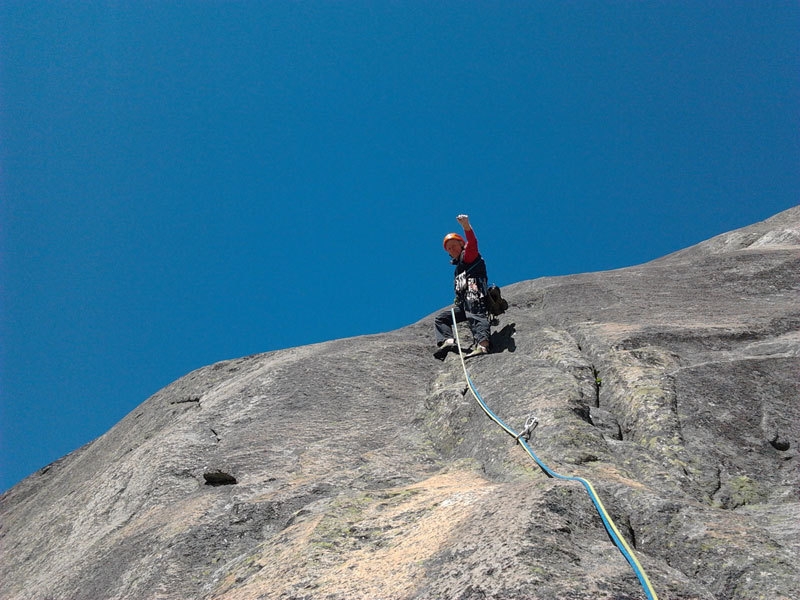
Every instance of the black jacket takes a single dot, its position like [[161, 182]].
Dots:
[[470, 283]]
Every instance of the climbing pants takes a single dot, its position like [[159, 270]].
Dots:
[[478, 324]]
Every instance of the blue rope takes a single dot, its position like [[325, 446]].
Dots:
[[611, 528]]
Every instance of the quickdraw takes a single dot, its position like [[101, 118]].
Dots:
[[530, 425]]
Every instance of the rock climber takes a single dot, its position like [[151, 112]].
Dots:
[[470, 287]]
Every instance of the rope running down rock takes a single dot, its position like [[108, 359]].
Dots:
[[523, 437]]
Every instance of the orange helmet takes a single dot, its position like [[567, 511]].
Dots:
[[452, 236]]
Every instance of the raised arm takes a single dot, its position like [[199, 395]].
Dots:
[[471, 249]]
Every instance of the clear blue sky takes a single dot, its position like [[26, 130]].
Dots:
[[188, 182]]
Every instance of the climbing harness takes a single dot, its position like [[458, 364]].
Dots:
[[523, 438]]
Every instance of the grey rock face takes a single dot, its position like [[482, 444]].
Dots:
[[362, 468]]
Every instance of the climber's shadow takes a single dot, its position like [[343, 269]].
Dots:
[[504, 339]]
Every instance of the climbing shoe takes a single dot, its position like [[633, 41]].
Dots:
[[478, 350]]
